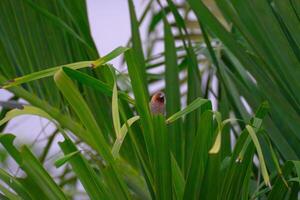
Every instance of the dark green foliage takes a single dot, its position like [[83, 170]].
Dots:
[[119, 149]]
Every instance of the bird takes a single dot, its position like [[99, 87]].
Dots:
[[157, 103]]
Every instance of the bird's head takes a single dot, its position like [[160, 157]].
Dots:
[[158, 97], [157, 103]]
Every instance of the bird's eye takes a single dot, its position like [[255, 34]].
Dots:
[[162, 98]]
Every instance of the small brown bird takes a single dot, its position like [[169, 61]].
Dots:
[[157, 103]]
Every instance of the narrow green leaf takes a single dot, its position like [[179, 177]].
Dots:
[[255, 122], [15, 184], [31, 42], [110, 56], [8, 194], [140, 148], [157, 18], [120, 138], [141, 100], [80, 107], [137, 47], [262, 163], [273, 155], [71, 93], [200, 148], [26, 110], [91, 181], [280, 187], [177, 179], [197, 103], [61, 24], [55, 115], [136, 182], [44, 73], [52, 70], [163, 169], [217, 144], [296, 164], [237, 175], [95, 84], [61, 161], [32, 167], [115, 112], [172, 92], [44, 107], [240, 158]]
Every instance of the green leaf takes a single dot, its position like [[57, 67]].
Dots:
[[142, 100], [61, 24], [44, 73], [235, 176], [52, 70], [172, 92], [217, 144], [177, 179], [296, 164], [73, 96], [253, 50], [201, 145], [197, 103], [110, 56], [163, 169], [15, 184], [115, 112], [221, 124], [281, 188], [256, 123], [95, 84], [137, 48], [61, 161], [157, 18], [88, 177], [71, 93], [260, 155], [120, 138], [45, 110], [26, 110], [31, 42], [33, 168], [8, 194]]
